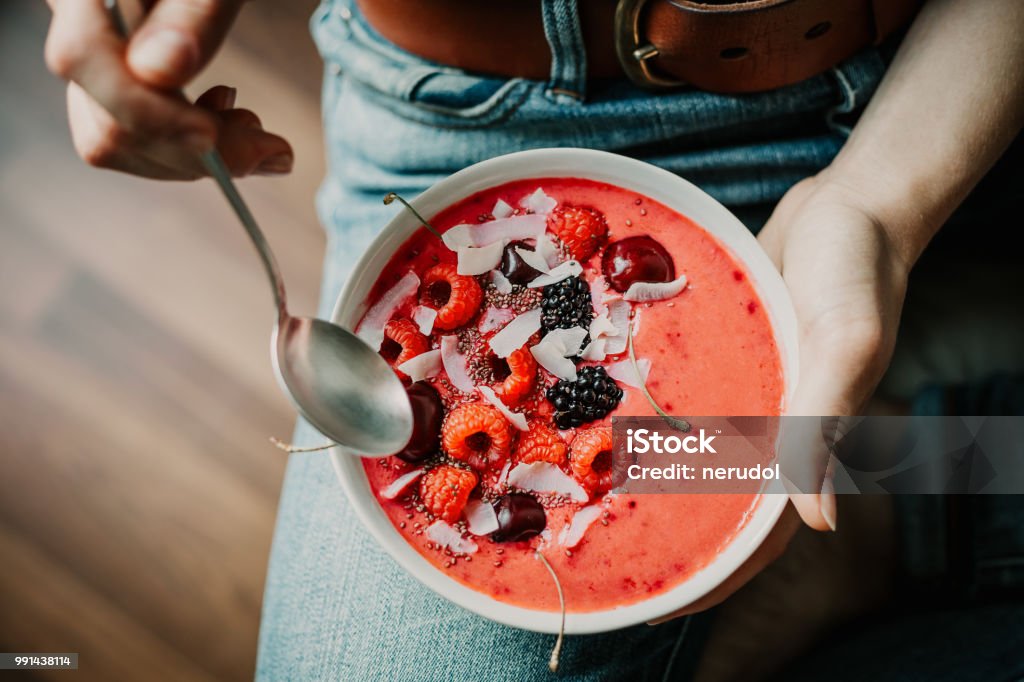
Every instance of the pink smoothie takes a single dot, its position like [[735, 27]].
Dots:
[[712, 352]]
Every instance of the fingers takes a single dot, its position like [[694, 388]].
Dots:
[[248, 149], [101, 142], [245, 147], [218, 98], [82, 46], [178, 38]]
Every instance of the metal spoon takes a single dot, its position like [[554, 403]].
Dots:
[[340, 385]]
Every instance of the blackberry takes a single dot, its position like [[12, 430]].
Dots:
[[566, 304], [592, 396]]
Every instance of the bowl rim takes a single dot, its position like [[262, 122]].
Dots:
[[659, 185]]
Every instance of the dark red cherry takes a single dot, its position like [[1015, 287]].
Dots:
[[520, 517], [636, 259], [427, 415], [514, 267]]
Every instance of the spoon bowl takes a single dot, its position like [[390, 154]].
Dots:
[[342, 386]]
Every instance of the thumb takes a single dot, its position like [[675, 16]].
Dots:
[[178, 38]]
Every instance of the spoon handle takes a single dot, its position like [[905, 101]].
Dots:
[[218, 170]]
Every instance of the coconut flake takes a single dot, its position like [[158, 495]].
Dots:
[[569, 268], [654, 291], [424, 316], [602, 326], [516, 333], [446, 536], [533, 259], [500, 282], [595, 350], [618, 315], [480, 517], [573, 531], [517, 419], [502, 229], [538, 202], [547, 248], [477, 261], [550, 357], [568, 341], [495, 318], [544, 477], [623, 371], [400, 484], [455, 364], [371, 328], [423, 366], [501, 209]]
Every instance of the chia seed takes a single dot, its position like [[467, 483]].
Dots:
[[519, 300]]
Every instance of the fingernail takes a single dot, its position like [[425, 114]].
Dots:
[[166, 52], [276, 165], [228, 99], [828, 502]]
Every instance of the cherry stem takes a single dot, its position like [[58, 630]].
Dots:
[[680, 424], [288, 447], [392, 196], [557, 651]]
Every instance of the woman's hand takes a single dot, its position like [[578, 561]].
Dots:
[[123, 107], [847, 284]]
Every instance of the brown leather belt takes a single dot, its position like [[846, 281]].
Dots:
[[716, 46]]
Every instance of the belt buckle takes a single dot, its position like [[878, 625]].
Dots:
[[634, 55]]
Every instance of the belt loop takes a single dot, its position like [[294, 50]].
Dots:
[[568, 80]]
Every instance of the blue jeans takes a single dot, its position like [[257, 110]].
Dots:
[[336, 606]]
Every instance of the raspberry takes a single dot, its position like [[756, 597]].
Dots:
[[581, 229], [519, 379], [590, 458], [592, 396], [476, 433], [541, 444], [444, 491], [566, 304], [402, 341], [455, 297]]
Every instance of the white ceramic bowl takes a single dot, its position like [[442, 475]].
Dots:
[[652, 182]]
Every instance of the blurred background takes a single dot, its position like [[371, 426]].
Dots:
[[138, 487]]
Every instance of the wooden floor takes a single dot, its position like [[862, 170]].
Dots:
[[137, 488]]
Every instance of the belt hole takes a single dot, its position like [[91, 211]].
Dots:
[[734, 53], [818, 30]]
